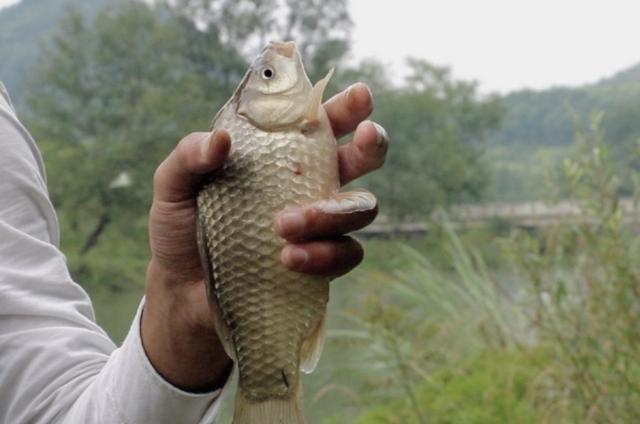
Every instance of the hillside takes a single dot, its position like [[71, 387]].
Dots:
[[623, 78], [23, 27], [539, 128], [546, 118]]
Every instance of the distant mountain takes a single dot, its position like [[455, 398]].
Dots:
[[546, 117], [539, 130], [23, 27], [630, 76]]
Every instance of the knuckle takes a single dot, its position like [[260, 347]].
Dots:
[[189, 142], [183, 146], [196, 135]]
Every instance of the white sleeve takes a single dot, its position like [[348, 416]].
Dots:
[[56, 364]]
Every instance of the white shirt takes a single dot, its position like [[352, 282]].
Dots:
[[56, 364]]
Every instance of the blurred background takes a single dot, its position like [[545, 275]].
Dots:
[[502, 280]]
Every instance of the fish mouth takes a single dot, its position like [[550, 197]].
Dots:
[[286, 49]]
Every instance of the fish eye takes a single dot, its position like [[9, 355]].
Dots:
[[268, 73]]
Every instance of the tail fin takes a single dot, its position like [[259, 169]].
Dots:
[[276, 411]]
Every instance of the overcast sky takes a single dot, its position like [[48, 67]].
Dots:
[[504, 44]]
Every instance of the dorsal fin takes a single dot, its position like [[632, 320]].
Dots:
[[311, 117]]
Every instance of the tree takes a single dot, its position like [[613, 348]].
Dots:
[[321, 28], [109, 101], [438, 127], [22, 27]]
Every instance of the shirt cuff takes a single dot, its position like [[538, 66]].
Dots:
[[144, 396]]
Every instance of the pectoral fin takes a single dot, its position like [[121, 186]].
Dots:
[[312, 348], [312, 116], [348, 202]]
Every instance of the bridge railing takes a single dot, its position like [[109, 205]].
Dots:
[[521, 214]]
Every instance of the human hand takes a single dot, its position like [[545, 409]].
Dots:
[[177, 330], [315, 232]]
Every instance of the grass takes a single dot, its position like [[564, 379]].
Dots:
[[492, 387], [420, 323]]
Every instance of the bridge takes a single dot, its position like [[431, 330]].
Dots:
[[528, 215]]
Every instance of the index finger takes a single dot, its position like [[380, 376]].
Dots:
[[180, 175], [343, 213], [347, 109]]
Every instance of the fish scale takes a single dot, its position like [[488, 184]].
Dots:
[[269, 309]]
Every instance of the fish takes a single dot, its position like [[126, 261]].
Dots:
[[271, 320]]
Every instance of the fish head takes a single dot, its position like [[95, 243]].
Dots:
[[275, 93], [277, 72]]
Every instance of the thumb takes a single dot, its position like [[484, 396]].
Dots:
[[182, 173]]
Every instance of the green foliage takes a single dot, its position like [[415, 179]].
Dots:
[[320, 27], [492, 387], [109, 100], [551, 337], [23, 28], [589, 313], [524, 173], [538, 132], [538, 123], [546, 118], [621, 129], [543, 118], [438, 126], [114, 309], [419, 324], [370, 71]]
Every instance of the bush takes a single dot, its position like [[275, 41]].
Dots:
[[559, 341], [491, 387], [585, 279]]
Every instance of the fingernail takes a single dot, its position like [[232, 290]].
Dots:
[[350, 94], [296, 257], [383, 137], [206, 142], [292, 223], [347, 92]]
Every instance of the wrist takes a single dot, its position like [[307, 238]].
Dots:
[[178, 336]]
